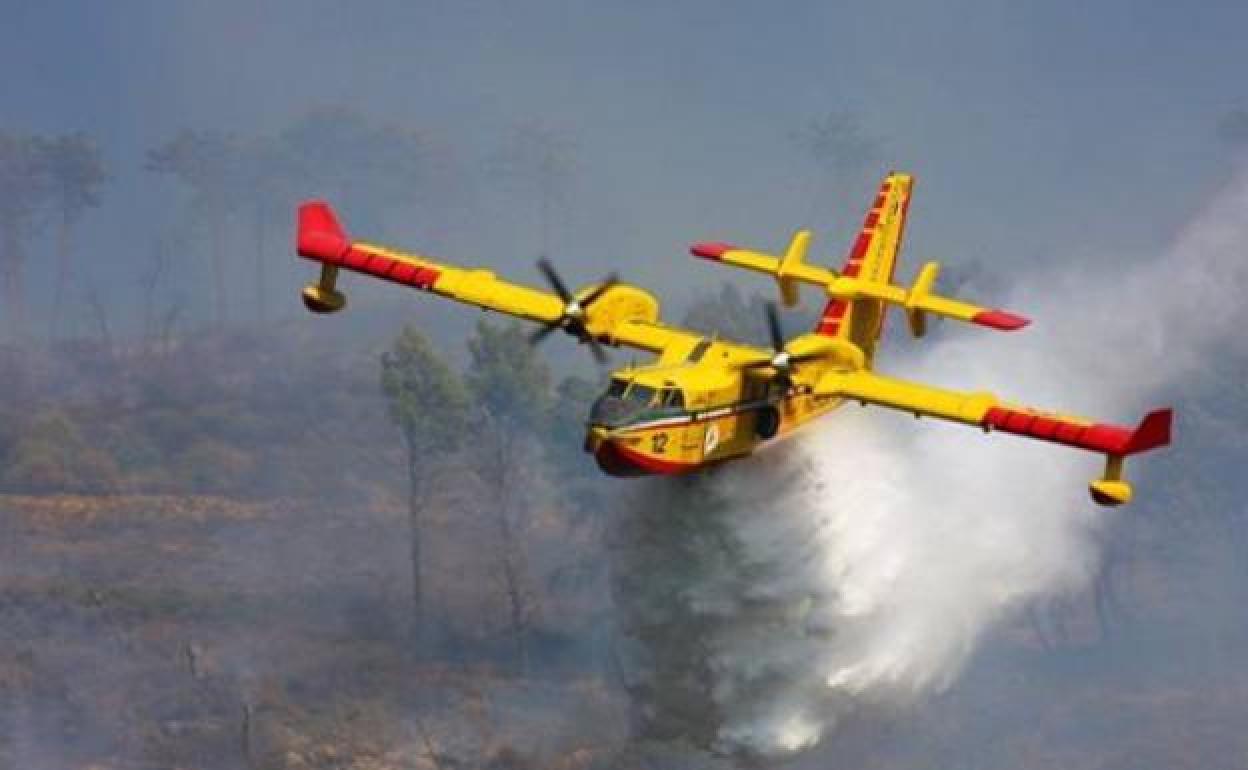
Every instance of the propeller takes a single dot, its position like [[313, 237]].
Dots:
[[572, 320], [781, 360]]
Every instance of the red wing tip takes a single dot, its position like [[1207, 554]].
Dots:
[[1153, 431], [319, 235], [710, 250], [999, 319]]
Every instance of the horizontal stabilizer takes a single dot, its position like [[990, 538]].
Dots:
[[844, 289]]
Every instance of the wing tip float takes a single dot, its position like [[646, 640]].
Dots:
[[1153, 432], [1116, 442]]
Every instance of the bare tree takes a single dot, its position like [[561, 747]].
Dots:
[[368, 170], [275, 179], [152, 278], [211, 165], [427, 403], [538, 160], [841, 150], [502, 458], [98, 310], [512, 387], [75, 172], [24, 189]]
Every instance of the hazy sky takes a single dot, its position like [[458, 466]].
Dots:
[[1038, 130]]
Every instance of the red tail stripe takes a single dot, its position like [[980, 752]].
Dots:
[[860, 246]]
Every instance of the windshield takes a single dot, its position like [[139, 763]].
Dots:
[[626, 402], [641, 395], [673, 398]]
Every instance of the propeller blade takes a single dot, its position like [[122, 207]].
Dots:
[[773, 326], [572, 320], [600, 289], [596, 348], [541, 333], [554, 280]]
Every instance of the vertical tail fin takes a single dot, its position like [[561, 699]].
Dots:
[[872, 258]]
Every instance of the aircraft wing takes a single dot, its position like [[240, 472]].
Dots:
[[986, 411], [628, 317]]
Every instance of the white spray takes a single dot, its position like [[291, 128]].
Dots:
[[895, 543]]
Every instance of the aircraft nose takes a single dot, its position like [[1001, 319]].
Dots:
[[594, 438], [611, 458]]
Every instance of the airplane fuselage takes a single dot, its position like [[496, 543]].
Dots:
[[677, 419]]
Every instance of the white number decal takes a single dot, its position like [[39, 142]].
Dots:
[[712, 439]]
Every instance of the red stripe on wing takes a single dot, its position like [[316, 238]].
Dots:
[[320, 237], [1098, 437]]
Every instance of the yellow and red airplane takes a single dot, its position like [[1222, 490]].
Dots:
[[705, 400]]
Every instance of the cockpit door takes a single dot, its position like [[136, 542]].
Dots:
[[693, 434]]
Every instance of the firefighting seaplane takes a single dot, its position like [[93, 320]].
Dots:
[[705, 400]]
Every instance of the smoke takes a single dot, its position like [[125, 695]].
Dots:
[[870, 554]]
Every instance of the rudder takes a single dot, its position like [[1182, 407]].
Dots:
[[872, 258]]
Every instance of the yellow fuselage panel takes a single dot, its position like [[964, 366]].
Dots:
[[725, 416]]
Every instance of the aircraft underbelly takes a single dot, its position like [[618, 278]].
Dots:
[[669, 449]]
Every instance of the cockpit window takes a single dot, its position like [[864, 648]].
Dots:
[[641, 394], [674, 398], [699, 350], [617, 388]]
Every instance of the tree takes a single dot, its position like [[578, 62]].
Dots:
[[75, 171], [539, 161], [841, 150], [367, 170], [507, 377], [53, 456], [24, 190], [428, 403], [728, 315], [154, 276], [574, 397], [273, 185], [212, 166], [511, 386]]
